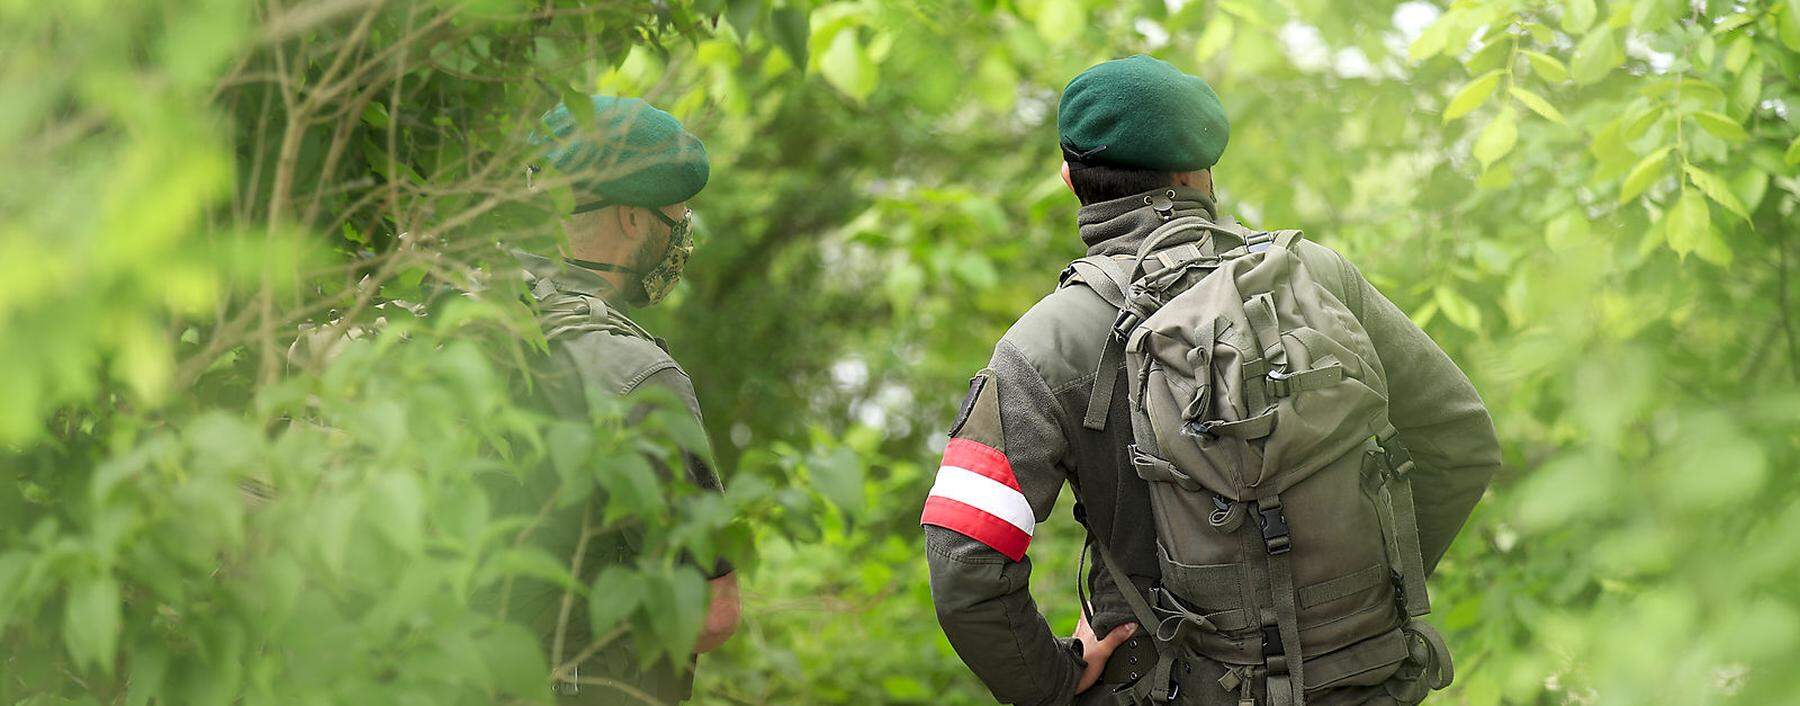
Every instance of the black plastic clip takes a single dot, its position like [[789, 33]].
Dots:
[[1399, 459], [1272, 647], [1126, 321], [1274, 527]]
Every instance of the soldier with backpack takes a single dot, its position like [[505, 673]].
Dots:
[[1267, 455], [633, 169]]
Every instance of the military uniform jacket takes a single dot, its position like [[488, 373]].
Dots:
[[1019, 436], [595, 352]]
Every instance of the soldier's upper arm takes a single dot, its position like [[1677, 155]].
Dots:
[[976, 492], [1000, 472], [672, 383]]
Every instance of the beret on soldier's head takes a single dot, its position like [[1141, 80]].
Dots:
[[1141, 113], [631, 154]]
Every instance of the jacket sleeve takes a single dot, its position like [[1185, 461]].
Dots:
[[1438, 414], [1000, 476], [672, 381]]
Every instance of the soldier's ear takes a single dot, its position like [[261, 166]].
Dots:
[[1065, 176], [631, 223], [1200, 179]]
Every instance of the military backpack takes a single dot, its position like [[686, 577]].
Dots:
[[1287, 542]]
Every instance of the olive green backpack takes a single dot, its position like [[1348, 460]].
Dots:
[[1284, 517]]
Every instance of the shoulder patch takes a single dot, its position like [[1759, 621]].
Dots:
[[979, 417], [968, 403]]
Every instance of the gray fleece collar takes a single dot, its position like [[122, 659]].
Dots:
[[1117, 227]]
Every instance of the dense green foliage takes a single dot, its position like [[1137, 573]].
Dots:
[[1590, 203]]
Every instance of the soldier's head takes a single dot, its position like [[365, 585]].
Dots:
[[633, 169], [1133, 125]]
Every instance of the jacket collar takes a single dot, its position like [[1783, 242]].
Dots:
[[1118, 226]]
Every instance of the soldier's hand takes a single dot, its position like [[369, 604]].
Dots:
[[1095, 651]]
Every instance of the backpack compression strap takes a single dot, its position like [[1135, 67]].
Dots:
[[1400, 520]]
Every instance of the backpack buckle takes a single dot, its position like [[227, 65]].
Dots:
[[1399, 459], [1127, 320], [1277, 383], [1274, 526]]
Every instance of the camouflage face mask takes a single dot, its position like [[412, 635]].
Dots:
[[660, 279]]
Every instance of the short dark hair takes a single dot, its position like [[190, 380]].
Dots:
[[1096, 183]]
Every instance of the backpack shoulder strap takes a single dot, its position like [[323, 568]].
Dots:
[[1107, 278], [1101, 273]]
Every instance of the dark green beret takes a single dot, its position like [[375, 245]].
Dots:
[[1141, 113], [631, 154]]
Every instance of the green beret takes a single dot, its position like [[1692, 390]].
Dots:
[[632, 154], [1141, 113]]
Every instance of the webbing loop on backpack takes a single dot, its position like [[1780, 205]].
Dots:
[[1265, 324], [1152, 468]]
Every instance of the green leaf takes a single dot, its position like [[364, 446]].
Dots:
[[1578, 15], [1547, 67], [1566, 231], [91, 622], [791, 27], [1747, 92], [1716, 189], [847, 66], [571, 448], [1430, 42], [1497, 139], [1686, 222], [532, 562], [149, 665], [1739, 53], [1645, 173], [838, 475], [514, 658], [1790, 25], [581, 108], [1793, 152], [1538, 105], [1472, 94], [1733, 22], [1750, 185], [1059, 21], [677, 609], [398, 511], [1721, 126], [616, 592], [1597, 55], [1214, 38], [1457, 308], [742, 15]]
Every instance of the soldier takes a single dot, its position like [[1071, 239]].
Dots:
[[1139, 141], [628, 239]]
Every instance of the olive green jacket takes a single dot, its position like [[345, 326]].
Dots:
[[600, 353], [1029, 404]]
